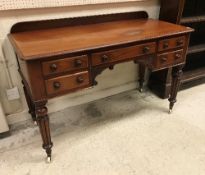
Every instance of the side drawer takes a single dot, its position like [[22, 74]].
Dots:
[[169, 58], [68, 82], [171, 43], [123, 53], [64, 65]]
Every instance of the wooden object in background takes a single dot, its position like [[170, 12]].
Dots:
[[190, 13], [62, 56]]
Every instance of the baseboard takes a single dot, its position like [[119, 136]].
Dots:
[[4, 134]]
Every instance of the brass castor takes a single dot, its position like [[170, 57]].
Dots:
[[141, 90], [48, 159]]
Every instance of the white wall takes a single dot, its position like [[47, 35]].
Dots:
[[25, 4], [124, 75]]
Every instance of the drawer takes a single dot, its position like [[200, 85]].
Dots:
[[169, 58], [123, 53], [68, 82], [171, 43], [64, 65]]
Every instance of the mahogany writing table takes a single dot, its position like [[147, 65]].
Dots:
[[61, 56]]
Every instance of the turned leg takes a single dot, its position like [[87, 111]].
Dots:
[[30, 104], [43, 123], [176, 79], [142, 70]]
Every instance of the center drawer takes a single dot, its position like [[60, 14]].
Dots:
[[123, 53], [64, 65], [67, 83]]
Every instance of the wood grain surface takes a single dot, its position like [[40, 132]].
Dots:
[[42, 43]]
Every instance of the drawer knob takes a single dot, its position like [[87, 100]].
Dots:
[[146, 50], [80, 79], [104, 58], [163, 59], [180, 42], [178, 56], [56, 85], [53, 67], [165, 45], [78, 63]]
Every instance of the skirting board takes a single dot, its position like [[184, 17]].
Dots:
[[67, 101]]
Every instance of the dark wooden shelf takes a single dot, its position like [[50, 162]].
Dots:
[[196, 49], [191, 75], [192, 19]]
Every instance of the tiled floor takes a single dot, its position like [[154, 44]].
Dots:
[[126, 134]]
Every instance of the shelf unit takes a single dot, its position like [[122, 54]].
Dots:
[[192, 19], [194, 16], [196, 49], [190, 13]]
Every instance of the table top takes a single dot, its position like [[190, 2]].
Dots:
[[43, 43]]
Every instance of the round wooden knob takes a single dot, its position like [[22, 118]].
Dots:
[[80, 79], [163, 59], [165, 45], [104, 58], [146, 50], [179, 42], [178, 56], [56, 85], [78, 63], [53, 67]]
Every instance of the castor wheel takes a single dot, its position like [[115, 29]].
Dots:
[[170, 111], [141, 90], [48, 160]]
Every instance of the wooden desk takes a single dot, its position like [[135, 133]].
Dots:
[[59, 57]]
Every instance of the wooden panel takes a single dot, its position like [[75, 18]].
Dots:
[[37, 84], [123, 53], [169, 58], [171, 10], [64, 65], [192, 19], [171, 43], [194, 74], [67, 83], [42, 43], [84, 20]]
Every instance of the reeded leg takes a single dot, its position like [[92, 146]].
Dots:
[[142, 70], [30, 104], [43, 123], [176, 79]]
